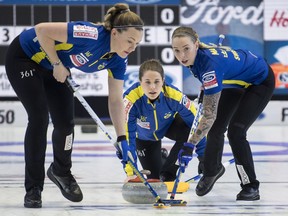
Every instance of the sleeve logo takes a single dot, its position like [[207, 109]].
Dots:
[[127, 107], [209, 80], [186, 101], [80, 31]]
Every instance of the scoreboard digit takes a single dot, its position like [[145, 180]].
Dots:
[[157, 33]]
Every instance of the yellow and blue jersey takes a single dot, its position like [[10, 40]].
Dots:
[[87, 49], [223, 67], [150, 121]]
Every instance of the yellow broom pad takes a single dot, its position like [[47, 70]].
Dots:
[[182, 186]]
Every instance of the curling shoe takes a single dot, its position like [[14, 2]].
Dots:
[[32, 198], [206, 183], [248, 194], [67, 185]]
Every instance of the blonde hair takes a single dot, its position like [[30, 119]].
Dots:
[[183, 31], [120, 17]]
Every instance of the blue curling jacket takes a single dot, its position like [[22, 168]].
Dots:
[[87, 49], [223, 67], [150, 121]]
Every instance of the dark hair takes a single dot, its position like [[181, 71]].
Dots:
[[154, 65], [120, 17], [151, 64]]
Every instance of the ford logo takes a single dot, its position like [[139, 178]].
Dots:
[[208, 78]]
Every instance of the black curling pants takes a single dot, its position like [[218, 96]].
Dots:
[[149, 152], [237, 110], [41, 95]]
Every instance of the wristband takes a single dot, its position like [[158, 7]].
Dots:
[[56, 63], [121, 138]]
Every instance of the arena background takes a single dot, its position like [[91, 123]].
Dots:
[[260, 26]]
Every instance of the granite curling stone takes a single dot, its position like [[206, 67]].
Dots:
[[134, 191]]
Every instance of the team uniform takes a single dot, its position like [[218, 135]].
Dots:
[[247, 83], [170, 115], [31, 75], [86, 49]]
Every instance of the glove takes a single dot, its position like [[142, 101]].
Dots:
[[122, 149], [127, 167], [129, 170], [185, 155]]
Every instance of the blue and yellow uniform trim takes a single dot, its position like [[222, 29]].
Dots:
[[87, 49], [150, 121], [223, 67]]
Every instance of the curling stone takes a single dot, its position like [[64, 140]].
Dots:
[[134, 191]]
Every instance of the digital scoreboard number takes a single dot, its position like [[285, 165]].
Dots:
[[157, 34]]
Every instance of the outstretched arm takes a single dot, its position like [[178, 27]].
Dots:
[[210, 106]]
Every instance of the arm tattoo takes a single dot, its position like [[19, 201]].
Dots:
[[210, 106]]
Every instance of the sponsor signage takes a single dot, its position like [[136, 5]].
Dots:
[[173, 75], [240, 21], [96, 84], [12, 114], [276, 53], [276, 20], [275, 113]]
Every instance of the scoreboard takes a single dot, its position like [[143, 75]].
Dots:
[[160, 20]]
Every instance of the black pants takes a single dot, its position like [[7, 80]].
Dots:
[[237, 110], [41, 94], [149, 152]]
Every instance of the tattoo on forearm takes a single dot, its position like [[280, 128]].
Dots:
[[210, 106]]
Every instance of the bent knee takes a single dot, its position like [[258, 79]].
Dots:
[[236, 132]]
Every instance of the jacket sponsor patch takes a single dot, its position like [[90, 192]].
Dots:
[[127, 107], [186, 101], [83, 31], [209, 80], [145, 125], [167, 115], [79, 59]]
